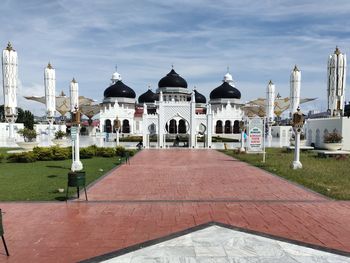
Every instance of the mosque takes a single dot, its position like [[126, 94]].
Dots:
[[172, 111]]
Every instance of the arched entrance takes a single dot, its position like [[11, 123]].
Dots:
[[228, 128], [126, 126], [218, 127], [172, 126], [236, 127], [108, 126], [182, 126]]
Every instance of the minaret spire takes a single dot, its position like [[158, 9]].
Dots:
[[295, 78]]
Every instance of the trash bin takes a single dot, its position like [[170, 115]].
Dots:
[[76, 179]]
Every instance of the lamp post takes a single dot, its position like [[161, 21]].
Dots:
[[74, 103], [270, 104], [298, 123], [9, 78], [117, 126]]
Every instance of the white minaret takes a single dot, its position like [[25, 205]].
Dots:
[[74, 107], [295, 78], [50, 95], [336, 81], [270, 105], [10, 77]]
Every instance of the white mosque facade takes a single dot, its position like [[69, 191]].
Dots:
[[173, 111]]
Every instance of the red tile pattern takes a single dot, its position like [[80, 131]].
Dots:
[[59, 232]]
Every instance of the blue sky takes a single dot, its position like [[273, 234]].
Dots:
[[258, 40]]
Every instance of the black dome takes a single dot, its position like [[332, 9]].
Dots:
[[172, 79], [199, 97], [119, 90], [148, 97], [225, 91]]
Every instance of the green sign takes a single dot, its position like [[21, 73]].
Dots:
[[73, 133]]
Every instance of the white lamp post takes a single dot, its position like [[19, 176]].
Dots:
[[270, 104], [74, 106], [10, 77], [50, 98], [298, 122]]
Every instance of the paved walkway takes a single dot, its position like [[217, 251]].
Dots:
[[164, 191]]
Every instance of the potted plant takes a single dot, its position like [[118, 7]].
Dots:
[[29, 137], [60, 138], [332, 141]]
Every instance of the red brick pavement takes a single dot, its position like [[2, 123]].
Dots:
[[59, 232]]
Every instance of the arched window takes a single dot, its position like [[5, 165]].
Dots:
[[172, 126], [218, 128], [228, 128], [108, 126], [126, 127], [236, 127], [182, 126]]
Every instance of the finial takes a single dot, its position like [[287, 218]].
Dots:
[[295, 68], [49, 66], [270, 82], [278, 95], [9, 46], [337, 51], [228, 69], [172, 66], [116, 67], [73, 80], [62, 94], [194, 88], [298, 109], [149, 86]]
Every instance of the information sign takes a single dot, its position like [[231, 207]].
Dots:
[[256, 135]]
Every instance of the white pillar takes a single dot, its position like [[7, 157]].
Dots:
[[10, 78], [50, 96], [74, 103], [161, 121], [209, 130], [193, 121], [242, 141], [270, 104], [336, 82], [295, 78]]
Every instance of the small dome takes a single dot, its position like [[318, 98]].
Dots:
[[228, 78], [199, 97], [173, 80], [119, 90], [116, 77], [225, 91], [148, 97]]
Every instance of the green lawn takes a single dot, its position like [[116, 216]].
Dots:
[[330, 177], [40, 180]]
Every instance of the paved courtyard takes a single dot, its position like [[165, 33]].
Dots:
[[166, 191]]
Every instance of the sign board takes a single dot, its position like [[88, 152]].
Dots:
[[73, 133], [256, 135]]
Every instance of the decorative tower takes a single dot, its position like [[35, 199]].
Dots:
[[50, 96], [336, 81], [74, 107], [10, 77], [295, 78], [270, 104]]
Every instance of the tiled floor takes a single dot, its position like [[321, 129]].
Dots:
[[162, 192]]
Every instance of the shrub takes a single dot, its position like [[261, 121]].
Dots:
[[132, 152], [105, 152], [332, 137], [93, 149], [43, 154], [120, 151], [60, 135], [60, 153], [24, 157], [2, 156], [28, 135], [86, 153]]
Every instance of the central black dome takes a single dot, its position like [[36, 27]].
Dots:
[[225, 91], [172, 80], [119, 90], [148, 97]]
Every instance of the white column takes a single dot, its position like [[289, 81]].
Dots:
[[50, 96], [296, 162], [74, 103], [336, 82], [161, 121], [144, 127], [209, 130], [295, 78], [10, 78], [193, 121], [270, 104]]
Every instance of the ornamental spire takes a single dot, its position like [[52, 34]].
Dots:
[[295, 68], [337, 51], [73, 80], [270, 82], [9, 47], [49, 66]]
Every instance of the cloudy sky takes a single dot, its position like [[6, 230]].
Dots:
[[258, 40]]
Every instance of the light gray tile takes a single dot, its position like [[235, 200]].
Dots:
[[217, 251]]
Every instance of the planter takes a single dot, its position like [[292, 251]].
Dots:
[[333, 146], [61, 142], [28, 146]]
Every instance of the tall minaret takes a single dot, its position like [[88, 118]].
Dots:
[[295, 78], [10, 77], [270, 105], [74, 95], [50, 94], [336, 81]]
